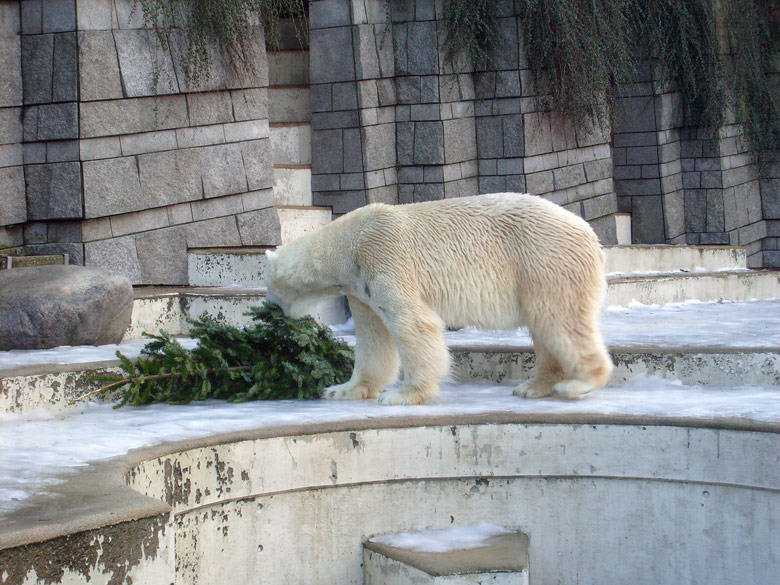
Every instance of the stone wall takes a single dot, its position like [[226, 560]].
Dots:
[[425, 127], [125, 165]]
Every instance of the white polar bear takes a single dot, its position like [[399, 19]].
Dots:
[[496, 261]]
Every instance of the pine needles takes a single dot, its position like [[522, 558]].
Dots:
[[273, 358]]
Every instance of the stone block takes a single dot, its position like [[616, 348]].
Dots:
[[327, 50], [97, 148], [537, 133], [194, 136], [407, 90], [493, 185], [715, 219], [429, 89], [130, 116], [220, 231], [258, 164], [146, 142], [10, 125], [329, 13], [146, 67], [212, 107], [326, 149], [59, 16], [54, 191], [95, 15], [695, 210], [770, 198], [62, 151], [10, 23], [598, 169], [65, 76], [600, 206], [641, 187], [385, 89], [222, 170], [711, 180], [642, 155], [111, 186], [366, 55], [411, 175], [51, 122], [163, 256], [354, 147], [37, 62], [421, 50], [139, 221], [428, 192], [352, 181], [249, 104], [422, 112], [325, 182], [513, 129], [379, 146], [36, 233], [504, 53], [169, 177], [99, 77], [538, 183], [564, 136], [217, 207], [569, 176], [516, 184], [13, 206], [510, 166], [11, 155], [648, 220], [248, 130], [260, 228], [635, 114], [95, 229], [34, 153], [322, 98], [31, 17], [428, 143], [329, 120]]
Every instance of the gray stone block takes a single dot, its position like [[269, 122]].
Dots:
[[596, 170], [354, 147], [328, 48], [65, 80], [32, 17], [636, 114], [433, 174], [10, 125], [163, 256], [460, 140], [379, 146], [62, 151], [510, 166], [213, 107], [331, 120], [405, 194], [50, 306], [428, 143], [424, 10], [537, 134], [647, 226], [345, 96], [641, 187], [249, 104], [37, 62], [64, 232], [99, 77], [222, 170], [260, 228], [220, 231], [691, 180], [634, 139], [514, 140], [421, 50], [325, 182], [51, 122], [117, 255], [411, 175], [11, 155], [429, 89], [326, 149], [366, 56], [34, 153], [130, 116], [715, 219], [351, 181], [111, 186], [600, 206], [322, 98], [404, 133], [403, 113], [13, 207], [146, 67], [770, 198], [341, 201], [504, 54], [695, 210], [428, 192], [258, 164], [169, 177], [402, 11], [516, 184], [422, 112], [36, 232], [642, 155], [54, 191], [714, 239], [539, 183], [407, 90], [386, 92], [59, 16], [492, 185], [329, 13]]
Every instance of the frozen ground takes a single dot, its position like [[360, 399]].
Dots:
[[38, 448], [727, 324]]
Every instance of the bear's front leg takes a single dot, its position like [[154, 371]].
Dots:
[[376, 358], [419, 335]]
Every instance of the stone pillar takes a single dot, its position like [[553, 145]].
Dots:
[[13, 207]]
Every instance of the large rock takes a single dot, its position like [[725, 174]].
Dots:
[[48, 306]]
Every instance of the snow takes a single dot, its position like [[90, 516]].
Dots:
[[446, 540], [38, 449]]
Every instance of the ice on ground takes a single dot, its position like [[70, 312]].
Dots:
[[445, 540], [692, 324], [38, 448]]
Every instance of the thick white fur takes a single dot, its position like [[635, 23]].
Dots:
[[491, 261]]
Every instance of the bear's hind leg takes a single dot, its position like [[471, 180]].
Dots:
[[376, 358], [419, 334], [547, 373]]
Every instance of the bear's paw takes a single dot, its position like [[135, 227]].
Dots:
[[533, 389]]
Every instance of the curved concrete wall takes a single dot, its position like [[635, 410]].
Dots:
[[601, 503]]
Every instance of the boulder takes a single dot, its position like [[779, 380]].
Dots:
[[48, 306]]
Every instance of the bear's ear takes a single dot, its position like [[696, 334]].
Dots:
[[270, 256]]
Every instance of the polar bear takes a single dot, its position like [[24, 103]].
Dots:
[[497, 261]]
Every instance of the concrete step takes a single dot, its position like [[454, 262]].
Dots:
[[168, 308], [677, 287], [298, 220], [291, 143], [289, 103], [499, 560], [288, 67], [293, 185], [661, 258]]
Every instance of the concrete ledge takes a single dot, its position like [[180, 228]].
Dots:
[[662, 258]]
